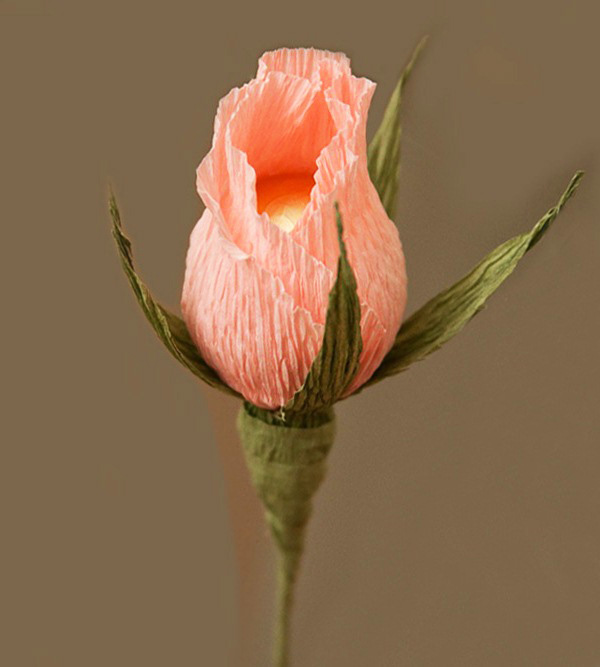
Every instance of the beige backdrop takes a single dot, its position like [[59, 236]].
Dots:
[[459, 525]]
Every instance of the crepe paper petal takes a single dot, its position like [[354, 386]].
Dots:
[[446, 314], [384, 150], [170, 329]]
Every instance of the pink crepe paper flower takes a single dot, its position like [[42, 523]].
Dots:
[[263, 256], [274, 282]]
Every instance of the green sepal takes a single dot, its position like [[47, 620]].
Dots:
[[170, 328], [446, 314], [383, 154], [337, 361]]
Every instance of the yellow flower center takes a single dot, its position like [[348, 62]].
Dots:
[[284, 198]]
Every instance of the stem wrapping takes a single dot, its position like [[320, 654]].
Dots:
[[287, 466]]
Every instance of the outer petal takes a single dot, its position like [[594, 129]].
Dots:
[[374, 247], [243, 321]]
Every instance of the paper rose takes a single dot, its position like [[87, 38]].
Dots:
[[295, 282], [263, 256]]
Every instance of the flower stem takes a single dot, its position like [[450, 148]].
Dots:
[[287, 465], [287, 569]]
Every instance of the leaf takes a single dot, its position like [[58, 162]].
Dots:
[[170, 328], [336, 363], [446, 314], [383, 154]]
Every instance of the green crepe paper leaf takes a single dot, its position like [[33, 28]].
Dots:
[[446, 314], [336, 363], [383, 154], [170, 329]]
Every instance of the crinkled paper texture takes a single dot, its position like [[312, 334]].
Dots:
[[255, 297]]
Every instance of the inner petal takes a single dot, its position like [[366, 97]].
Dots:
[[284, 197]]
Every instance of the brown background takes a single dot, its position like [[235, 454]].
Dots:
[[459, 525]]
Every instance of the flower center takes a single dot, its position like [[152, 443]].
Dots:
[[283, 198]]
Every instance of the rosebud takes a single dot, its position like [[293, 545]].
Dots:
[[263, 256]]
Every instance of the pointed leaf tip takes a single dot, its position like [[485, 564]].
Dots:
[[543, 224], [383, 154]]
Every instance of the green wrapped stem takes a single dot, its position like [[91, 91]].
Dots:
[[287, 463]]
